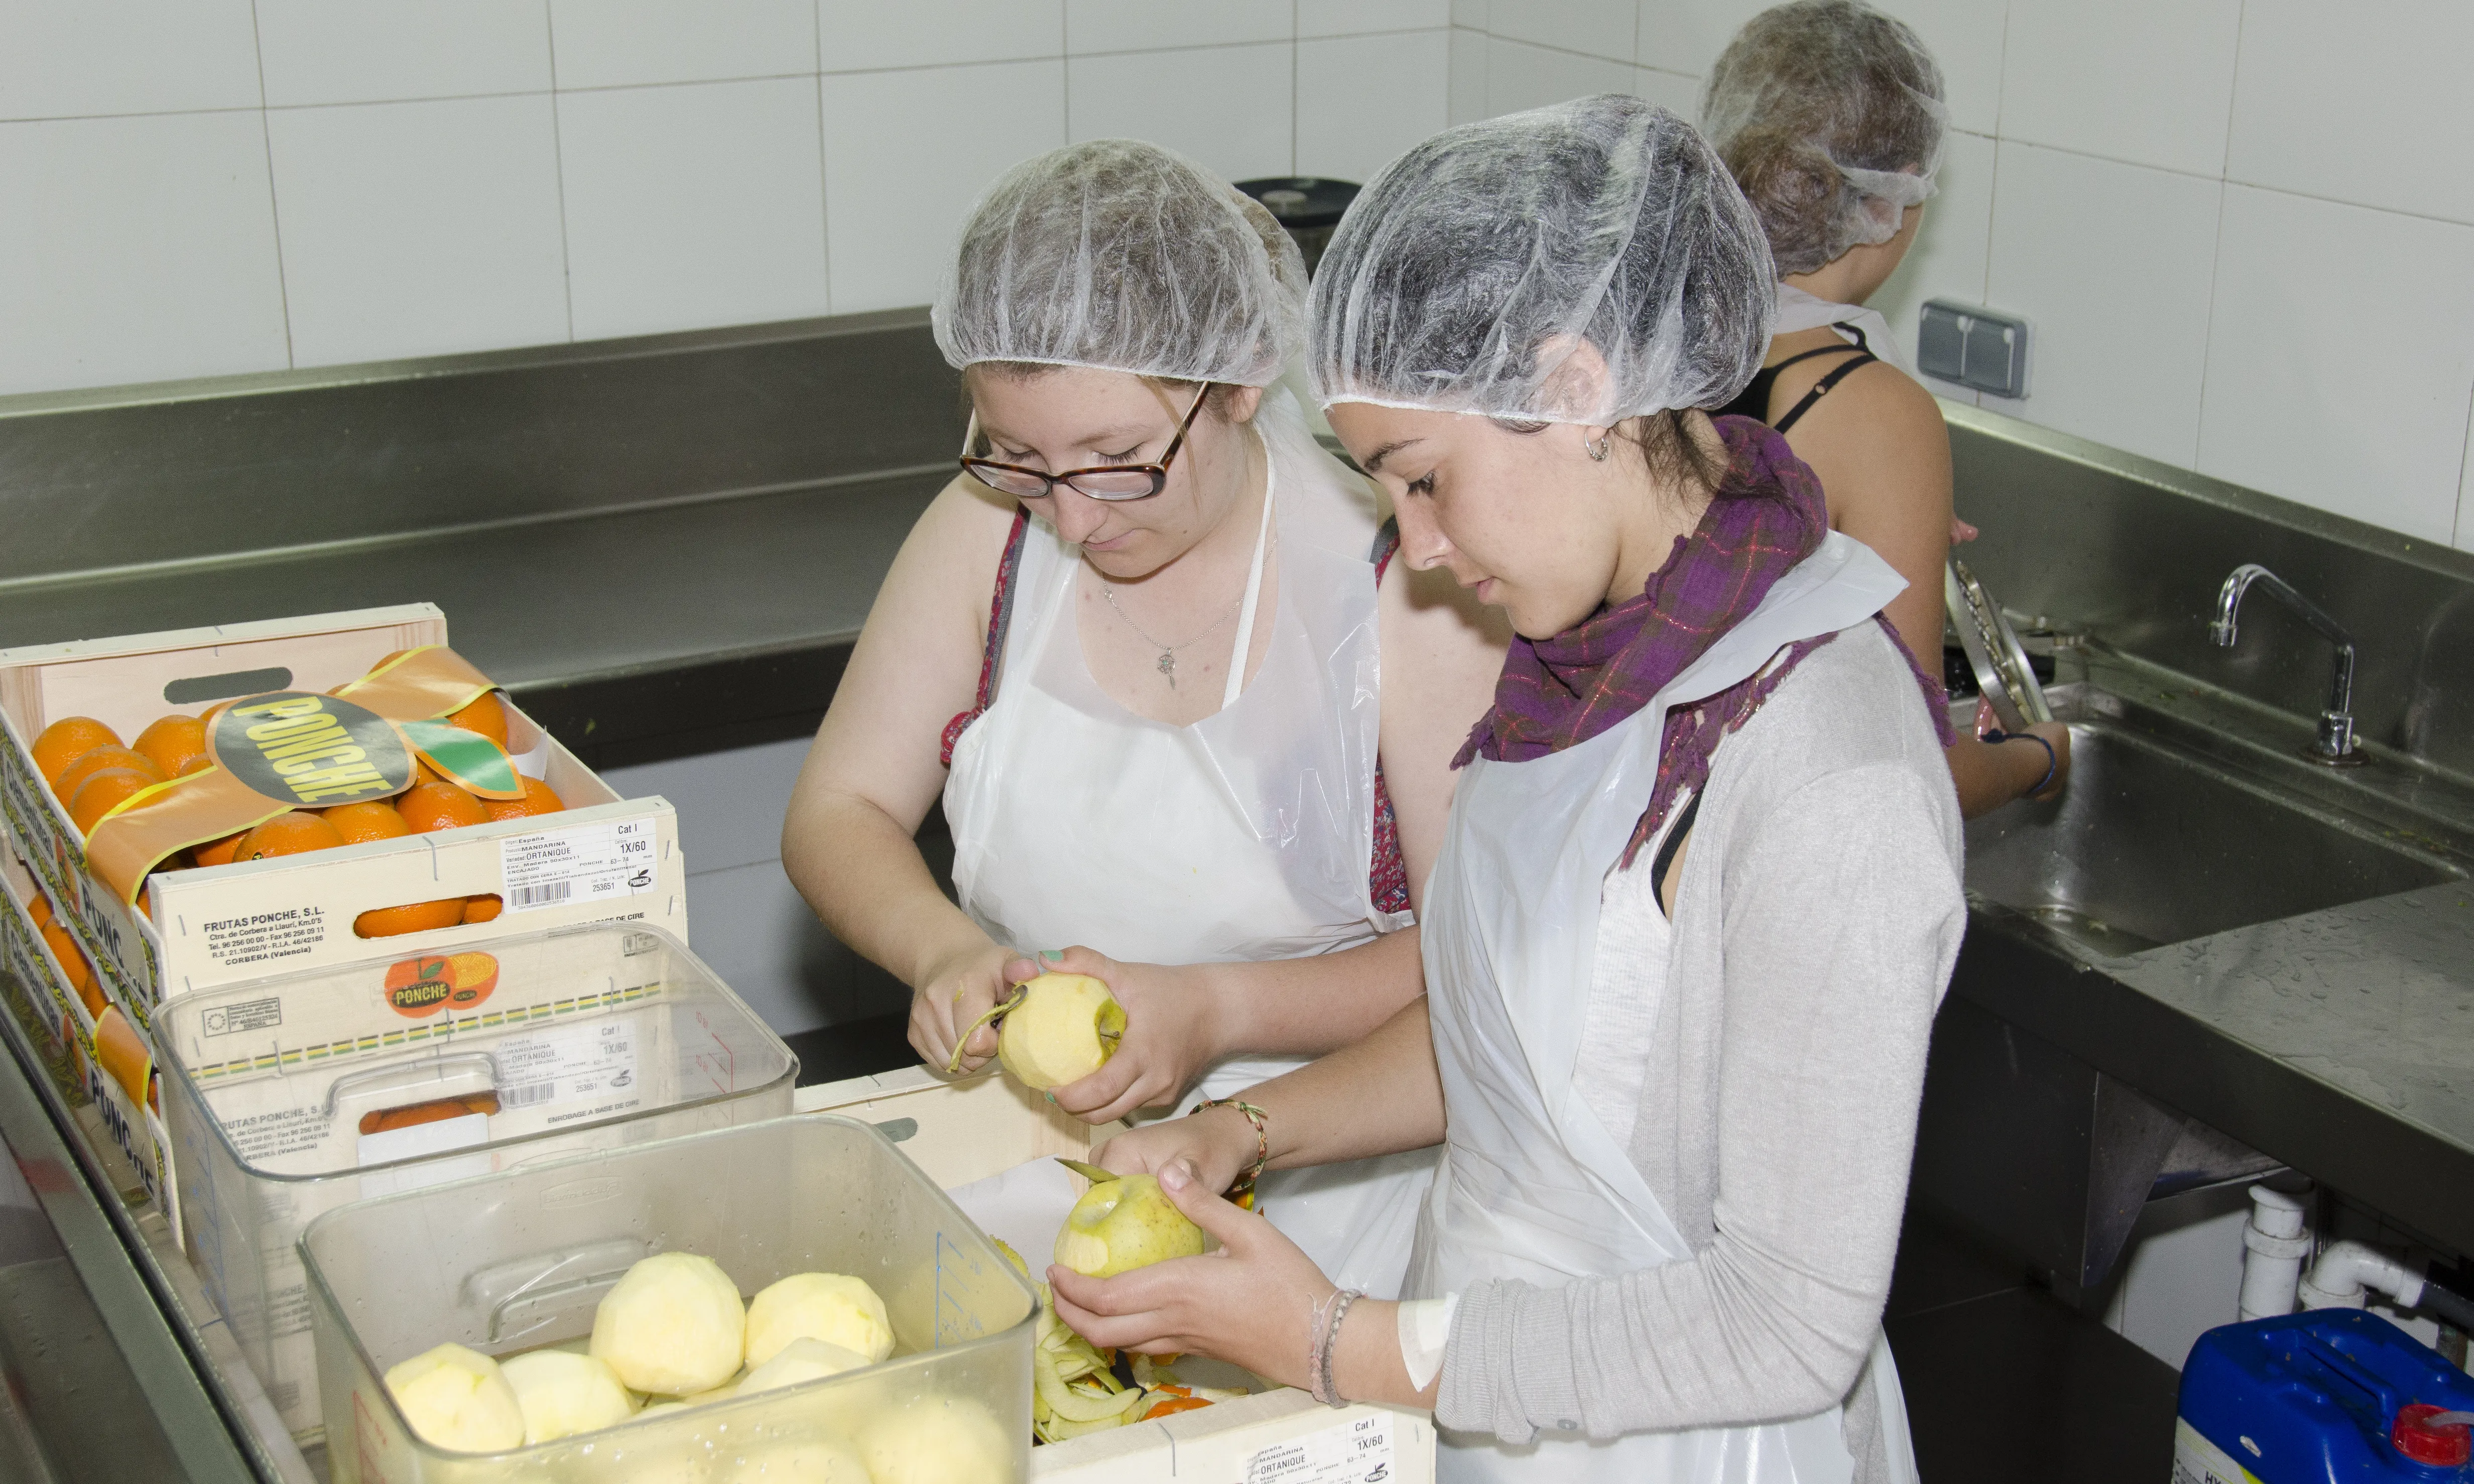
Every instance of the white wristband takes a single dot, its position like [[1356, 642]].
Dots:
[[1425, 1328]]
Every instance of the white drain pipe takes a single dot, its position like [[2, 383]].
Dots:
[[2274, 1244]]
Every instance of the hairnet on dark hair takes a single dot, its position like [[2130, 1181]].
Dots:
[[1829, 113], [1124, 257], [1470, 269]]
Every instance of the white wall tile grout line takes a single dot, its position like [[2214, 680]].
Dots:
[[274, 205], [558, 168]]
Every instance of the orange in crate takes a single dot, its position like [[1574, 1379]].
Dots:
[[484, 715], [423, 986], [73, 964], [483, 908], [104, 790], [358, 823], [95, 760], [410, 917], [290, 833], [65, 740], [171, 742], [438, 806], [539, 799]]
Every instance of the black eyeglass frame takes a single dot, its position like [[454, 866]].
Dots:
[[1158, 472]]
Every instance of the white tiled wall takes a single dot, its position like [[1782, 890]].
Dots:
[[191, 187], [2243, 229]]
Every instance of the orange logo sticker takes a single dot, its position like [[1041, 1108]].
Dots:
[[423, 986]]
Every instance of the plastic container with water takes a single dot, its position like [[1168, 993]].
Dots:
[[520, 1260], [2327, 1396], [290, 1096]]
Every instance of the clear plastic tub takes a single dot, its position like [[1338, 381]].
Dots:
[[291, 1096], [519, 1260]]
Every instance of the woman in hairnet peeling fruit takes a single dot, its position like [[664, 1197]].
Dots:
[[1829, 115], [1700, 893], [1189, 724]]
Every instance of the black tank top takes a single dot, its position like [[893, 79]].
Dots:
[[1754, 402]]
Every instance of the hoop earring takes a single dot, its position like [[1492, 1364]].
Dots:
[[1599, 447]]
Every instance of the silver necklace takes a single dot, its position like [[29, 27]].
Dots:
[[1166, 663]]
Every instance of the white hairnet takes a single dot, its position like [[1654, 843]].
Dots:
[[1465, 275], [1829, 113], [1122, 256]]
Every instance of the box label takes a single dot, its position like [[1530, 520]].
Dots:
[[248, 1016], [581, 863], [265, 938], [1354, 1451], [585, 1071]]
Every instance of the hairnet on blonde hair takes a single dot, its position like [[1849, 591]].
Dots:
[[1124, 257], [1468, 273], [1829, 113]]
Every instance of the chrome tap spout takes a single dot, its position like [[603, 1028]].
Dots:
[[2335, 744]]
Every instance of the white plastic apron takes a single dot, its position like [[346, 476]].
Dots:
[[1242, 837], [1532, 1186]]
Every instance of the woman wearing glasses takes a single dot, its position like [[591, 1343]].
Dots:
[[1183, 742]]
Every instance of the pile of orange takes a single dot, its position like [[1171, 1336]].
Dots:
[[92, 773], [66, 948]]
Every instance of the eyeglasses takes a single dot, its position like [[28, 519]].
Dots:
[[1106, 482]]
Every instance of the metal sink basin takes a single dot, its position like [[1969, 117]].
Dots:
[[2150, 845]]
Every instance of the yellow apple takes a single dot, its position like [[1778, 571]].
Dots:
[[802, 1360], [458, 1398], [938, 1439], [1065, 1029], [830, 1306], [819, 1462], [1122, 1225], [673, 1326]]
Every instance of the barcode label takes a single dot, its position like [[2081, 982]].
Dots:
[[582, 863], [527, 1095], [574, 1073]]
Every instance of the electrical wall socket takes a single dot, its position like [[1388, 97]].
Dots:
[[1973, 347]]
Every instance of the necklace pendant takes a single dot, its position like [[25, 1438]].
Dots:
[[1168, 667]]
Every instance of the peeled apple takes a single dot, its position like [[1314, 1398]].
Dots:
[[1122, 1225], [673, 1324], [802, 1360], [563, 1394], [936, 1440], [1064, 1029], [830, 1306], [458, 1398]]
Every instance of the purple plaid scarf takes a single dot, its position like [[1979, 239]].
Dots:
[[1557, 693]]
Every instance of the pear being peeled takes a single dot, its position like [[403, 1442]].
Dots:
[[1065, 1029], [563, 1394], [830, 1306], [458, 1398], [1122, 1225], [673, 1324]]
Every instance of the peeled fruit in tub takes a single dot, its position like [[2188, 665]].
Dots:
[[803, 1360], [830, 1306], [1064, 1028], [563, 1394], [936, 1440], [673, 1324], [458, 1398], [1122, 1225], [817, 1462]]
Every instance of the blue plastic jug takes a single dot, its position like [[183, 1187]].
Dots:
[[2328, 1396]]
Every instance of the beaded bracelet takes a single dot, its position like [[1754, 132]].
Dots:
[[1319, 1372], [1242, 1190]]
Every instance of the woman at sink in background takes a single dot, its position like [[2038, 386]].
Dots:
[[1700, 897], [1829, 115], [1179, 710]]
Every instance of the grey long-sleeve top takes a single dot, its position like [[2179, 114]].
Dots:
[[1816, 922]]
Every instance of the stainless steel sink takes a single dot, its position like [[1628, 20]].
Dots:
[[2151, 845]]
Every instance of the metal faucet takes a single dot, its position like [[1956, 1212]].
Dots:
[[2335, 746]]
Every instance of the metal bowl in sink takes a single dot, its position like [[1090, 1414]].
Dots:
[[2150, 845]]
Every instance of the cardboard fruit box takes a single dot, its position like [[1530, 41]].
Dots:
[[966, 1130], [115, 1061], [177, 931]]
